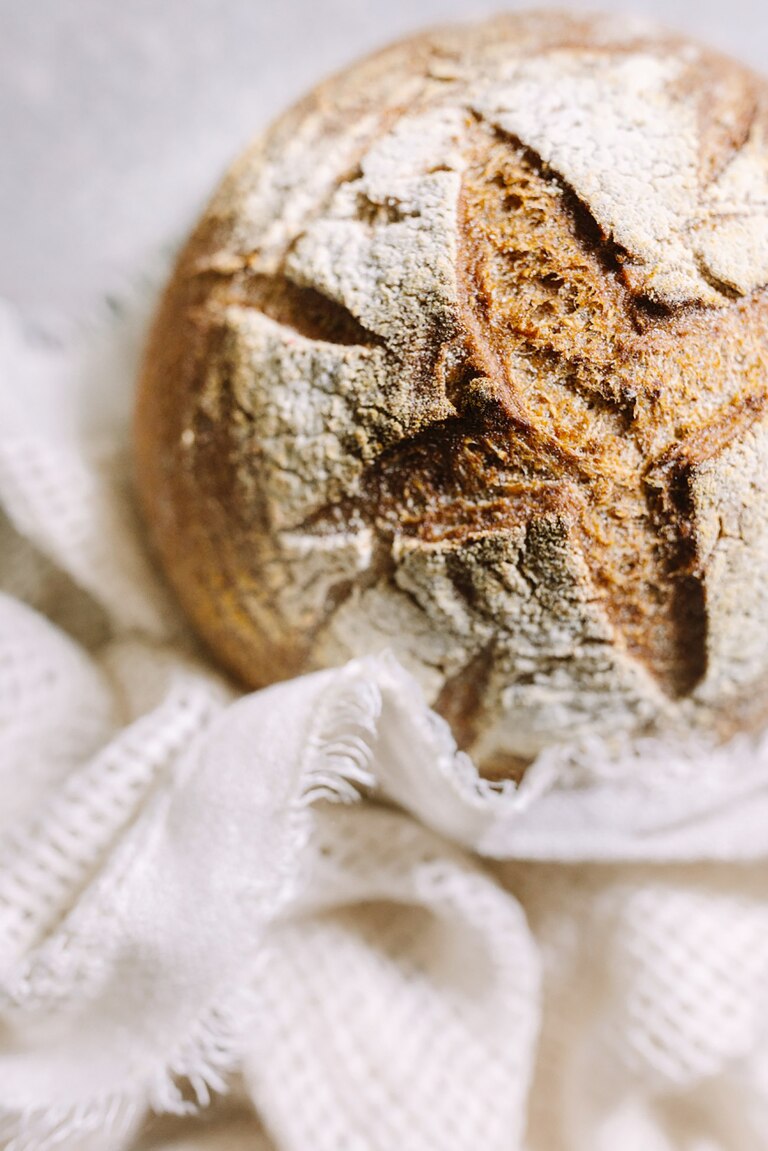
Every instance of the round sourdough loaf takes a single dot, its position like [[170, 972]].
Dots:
[[468, 359]]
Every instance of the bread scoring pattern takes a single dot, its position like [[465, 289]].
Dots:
[[467, 359]]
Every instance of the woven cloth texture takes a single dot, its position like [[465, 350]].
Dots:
[[297, 919]]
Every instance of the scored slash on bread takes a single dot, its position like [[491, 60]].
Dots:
[[468, 359]]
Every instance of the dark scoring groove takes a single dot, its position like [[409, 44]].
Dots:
[[308, 311], [549, 313], [460, 700], [456, 478], [714, 281], [674, 511], [613, 256], [587, 228]]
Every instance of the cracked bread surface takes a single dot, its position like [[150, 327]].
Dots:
[[467, 360]]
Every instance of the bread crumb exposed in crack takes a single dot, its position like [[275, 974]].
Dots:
[[468, 360]]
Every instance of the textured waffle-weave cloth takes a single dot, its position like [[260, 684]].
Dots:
[[297, 918]]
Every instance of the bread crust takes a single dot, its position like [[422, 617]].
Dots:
[[467, 359]]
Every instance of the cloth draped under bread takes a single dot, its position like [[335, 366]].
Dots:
[[297, 918]]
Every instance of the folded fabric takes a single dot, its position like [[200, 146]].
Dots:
[[298, 917]]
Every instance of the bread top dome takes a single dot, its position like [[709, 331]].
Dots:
[[467, 359]]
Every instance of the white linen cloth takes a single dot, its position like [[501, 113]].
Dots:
[[297, 919]]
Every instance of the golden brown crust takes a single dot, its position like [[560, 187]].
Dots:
[[577, 353], [422, 380]]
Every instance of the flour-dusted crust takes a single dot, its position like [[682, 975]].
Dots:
[[467, 359]]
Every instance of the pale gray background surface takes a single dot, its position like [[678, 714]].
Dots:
[[118, 116]]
